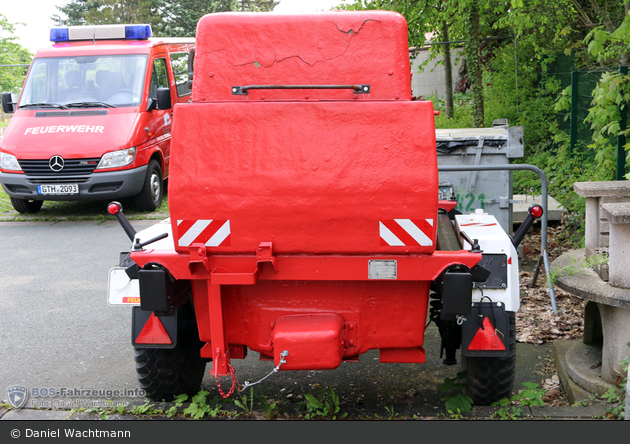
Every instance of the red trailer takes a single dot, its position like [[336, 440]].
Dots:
[[304, 216]]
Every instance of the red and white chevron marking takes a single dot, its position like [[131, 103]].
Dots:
[[211, 233], [406, 232]]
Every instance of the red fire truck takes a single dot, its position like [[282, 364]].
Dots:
[[93, 120], [304, 221]]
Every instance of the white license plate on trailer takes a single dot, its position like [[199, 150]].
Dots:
[[120, 289], [58, 189]]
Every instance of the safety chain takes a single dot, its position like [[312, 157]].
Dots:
[[218, 382], [283, 355]]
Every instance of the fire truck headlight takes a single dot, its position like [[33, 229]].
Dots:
[[9, 162], [117, 159]]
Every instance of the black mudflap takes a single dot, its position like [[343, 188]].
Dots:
[[476, 324], [139, 321]]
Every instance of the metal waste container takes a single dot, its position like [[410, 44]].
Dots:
[[488, 190]]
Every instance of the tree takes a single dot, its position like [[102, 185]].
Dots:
[[439, 18], [472, 48], [76, 10], [168, 18], [12, 53]]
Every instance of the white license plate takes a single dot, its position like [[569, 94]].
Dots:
[[121, 290], [58, 189]]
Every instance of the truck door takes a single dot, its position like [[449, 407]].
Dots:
[[160, 124], [180, 92]]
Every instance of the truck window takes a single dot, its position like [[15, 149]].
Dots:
[[159, 77], [81, 81], [179, 63]]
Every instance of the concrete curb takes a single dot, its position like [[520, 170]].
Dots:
[[588, 412]]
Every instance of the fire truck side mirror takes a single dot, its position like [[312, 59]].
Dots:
[[164, 98], [191, 67], [7, 103]]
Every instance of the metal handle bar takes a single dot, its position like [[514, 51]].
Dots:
[[543, 224], [243, 90]]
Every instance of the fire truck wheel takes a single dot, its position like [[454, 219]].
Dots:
[[492, 379], [166, 373], [26, 206], [151, 195]]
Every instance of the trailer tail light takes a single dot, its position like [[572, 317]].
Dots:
[[153, 332], [487, 338]]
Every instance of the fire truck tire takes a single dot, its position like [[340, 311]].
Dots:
[[492, 379], [26, 206], [166, 373], [150, 197]]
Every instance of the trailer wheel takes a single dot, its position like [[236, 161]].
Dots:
[[166, 373], [150, 197], [26, 206], [492, 379]]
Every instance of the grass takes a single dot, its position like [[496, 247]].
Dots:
[[73, 210]]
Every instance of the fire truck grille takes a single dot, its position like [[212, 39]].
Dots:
[[71, 167], [64, 180]]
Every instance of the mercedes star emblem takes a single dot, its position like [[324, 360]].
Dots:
[[56, 163]]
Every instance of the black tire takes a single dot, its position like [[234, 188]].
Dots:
[[492, 379], [150, 197], [26, 206], [166, 373]]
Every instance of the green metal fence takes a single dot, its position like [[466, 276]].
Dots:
[[582, 83]]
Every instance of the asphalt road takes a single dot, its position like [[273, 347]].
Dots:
[[58, 331]]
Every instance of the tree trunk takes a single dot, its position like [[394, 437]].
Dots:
[[473, 56], [448, 71]]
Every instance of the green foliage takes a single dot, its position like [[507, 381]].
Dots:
[[462, 113], [458, 403], [577, 266], [530, 396], [507, 413], [521, 94], [616, 407], [246, 403], [562, 170], [391, 414], [324, 403], [12, 53], [178, 403], [146, 409], [270, 409], [198, 407]]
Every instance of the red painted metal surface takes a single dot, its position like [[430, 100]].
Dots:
[[315, 341], [334, 48], [309, 177], [280, 199]]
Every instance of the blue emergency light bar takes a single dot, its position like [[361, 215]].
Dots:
[[101, 32]]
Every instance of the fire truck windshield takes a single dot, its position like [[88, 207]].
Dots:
[[93, 81]]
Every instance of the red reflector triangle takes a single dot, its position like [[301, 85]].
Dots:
[[153, 332], [488, 339]]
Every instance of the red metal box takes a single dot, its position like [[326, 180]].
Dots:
[[327, 48], [318, 177]]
